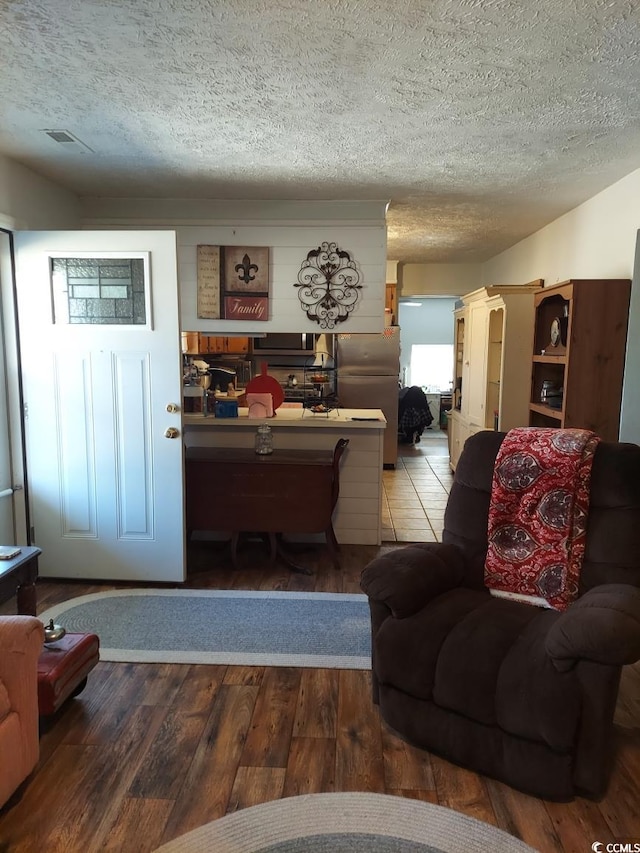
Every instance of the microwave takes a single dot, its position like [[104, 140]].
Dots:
[[285, 343]]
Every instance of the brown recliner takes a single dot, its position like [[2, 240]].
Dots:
[[519, 693]]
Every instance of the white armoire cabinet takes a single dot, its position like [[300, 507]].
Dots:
[[493, 338]]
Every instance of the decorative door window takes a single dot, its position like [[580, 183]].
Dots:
[[108, 291]]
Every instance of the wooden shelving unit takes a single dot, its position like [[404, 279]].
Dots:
[[582, 359]]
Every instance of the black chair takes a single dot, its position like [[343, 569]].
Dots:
[[414, 414]]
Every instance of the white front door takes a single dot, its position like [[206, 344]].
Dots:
[[101, 360]]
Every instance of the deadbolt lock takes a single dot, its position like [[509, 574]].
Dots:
[[172, 408]]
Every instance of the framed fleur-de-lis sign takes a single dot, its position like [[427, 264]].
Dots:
[[245, 283], [233, 282]]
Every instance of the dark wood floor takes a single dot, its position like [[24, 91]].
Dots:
[[148, 752]]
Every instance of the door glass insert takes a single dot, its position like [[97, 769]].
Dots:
[[106, 291]]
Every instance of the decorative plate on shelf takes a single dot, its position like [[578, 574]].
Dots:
[[558, 331]]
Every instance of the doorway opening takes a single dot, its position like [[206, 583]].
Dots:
[[14, 517]]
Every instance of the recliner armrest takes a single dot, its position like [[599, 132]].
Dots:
[[602, 626], [21, 639], [407, 578]]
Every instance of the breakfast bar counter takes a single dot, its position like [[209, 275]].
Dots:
[[357, 517], [295, 417]]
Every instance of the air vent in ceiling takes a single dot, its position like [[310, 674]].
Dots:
[[67, 140], [60, 136]]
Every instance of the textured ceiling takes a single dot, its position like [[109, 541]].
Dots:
[[479, 120]]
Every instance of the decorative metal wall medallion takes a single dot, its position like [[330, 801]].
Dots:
[[329, 285]]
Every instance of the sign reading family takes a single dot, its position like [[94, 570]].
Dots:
[[233, 283]]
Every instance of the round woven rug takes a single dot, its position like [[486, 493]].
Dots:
[[346, 823]]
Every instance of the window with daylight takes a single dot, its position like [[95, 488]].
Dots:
[[102, 291], [431, 366]]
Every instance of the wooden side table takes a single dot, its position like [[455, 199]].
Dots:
[[18, 577]]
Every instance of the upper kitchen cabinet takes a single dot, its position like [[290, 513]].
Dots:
[[236, 344], [578, 355], [196, 343], [190, 343], [493, 333]]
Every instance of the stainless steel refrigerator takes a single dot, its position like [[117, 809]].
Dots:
[[368, 373]]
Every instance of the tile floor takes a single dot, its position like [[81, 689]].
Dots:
[[415, 493]]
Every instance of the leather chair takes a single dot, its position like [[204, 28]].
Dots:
[[520, 693], [21, 639]]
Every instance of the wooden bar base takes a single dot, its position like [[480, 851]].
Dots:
[[288, 491]]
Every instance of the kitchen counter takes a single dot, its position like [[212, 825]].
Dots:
[[285, 417], [357, 517]]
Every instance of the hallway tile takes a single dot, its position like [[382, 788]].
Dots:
[[408, 512], [415, 494], [407, 502], [415, 536]]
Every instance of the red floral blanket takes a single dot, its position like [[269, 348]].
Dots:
[[538, 514]]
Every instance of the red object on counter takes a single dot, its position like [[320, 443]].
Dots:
[[265, 384]]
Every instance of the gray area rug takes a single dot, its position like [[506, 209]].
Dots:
[[354, 822], [328, 630]]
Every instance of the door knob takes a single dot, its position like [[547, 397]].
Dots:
[[172, 408], [171, 432]]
